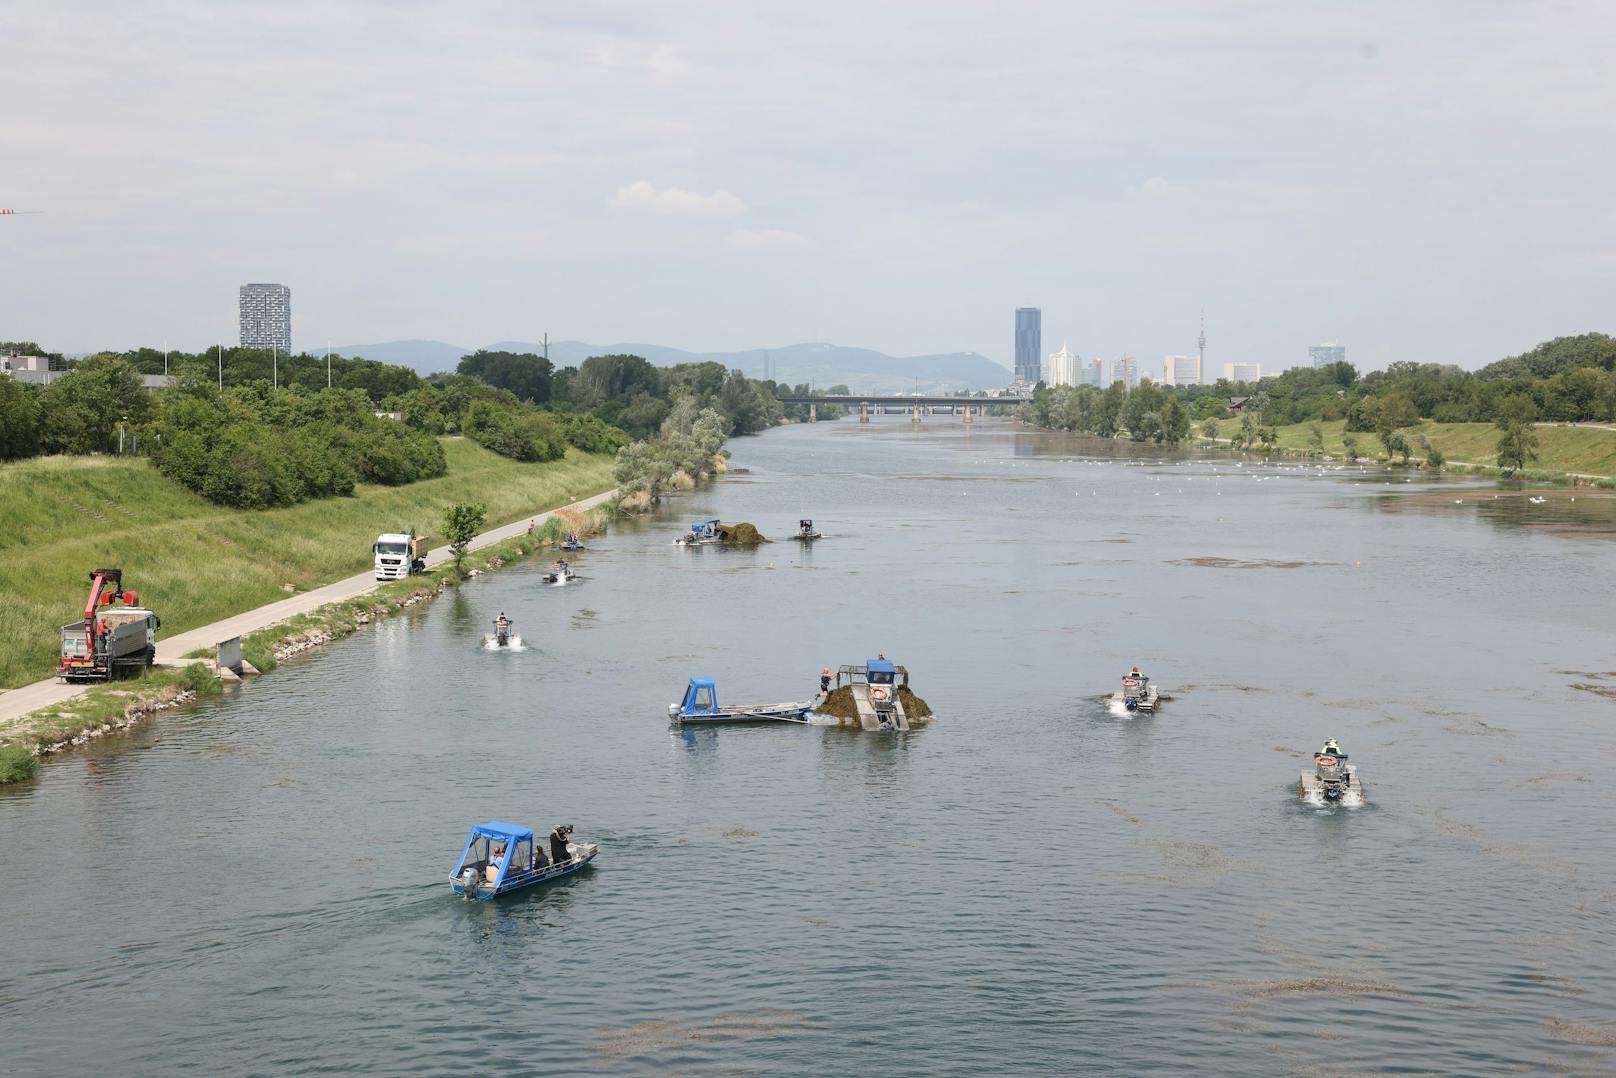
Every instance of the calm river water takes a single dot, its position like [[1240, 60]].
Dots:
[[1030, 883]]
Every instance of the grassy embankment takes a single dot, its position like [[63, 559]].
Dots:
[[113, 706], [195, 562], [1584, 451]]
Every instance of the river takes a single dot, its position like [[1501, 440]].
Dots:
[[1030, 883]]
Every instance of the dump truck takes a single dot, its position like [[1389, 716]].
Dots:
[[117, 634], [398, 555]]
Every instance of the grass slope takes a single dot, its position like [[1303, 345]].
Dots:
[[195, 562], [1581, 450]]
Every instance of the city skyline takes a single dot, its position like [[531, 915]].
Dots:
[[1288, 169]]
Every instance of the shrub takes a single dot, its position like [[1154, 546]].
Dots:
[[17, 764]]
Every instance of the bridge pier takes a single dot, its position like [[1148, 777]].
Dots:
[[967, 415], [864, 411], [813, 413], [916, 417]]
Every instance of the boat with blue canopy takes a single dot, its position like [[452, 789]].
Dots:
[[700, 705], [502, 857], [701, 533]]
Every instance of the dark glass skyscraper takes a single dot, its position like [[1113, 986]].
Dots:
[[1029, 344]]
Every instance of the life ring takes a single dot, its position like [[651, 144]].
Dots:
[[878, 693], [1323, 759]]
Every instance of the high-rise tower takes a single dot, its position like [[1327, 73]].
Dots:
[[1029, 344], [266, 316]]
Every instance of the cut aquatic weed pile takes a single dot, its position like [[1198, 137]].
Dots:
[[839, 704]]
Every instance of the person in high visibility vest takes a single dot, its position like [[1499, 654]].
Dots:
[[1331, 748]]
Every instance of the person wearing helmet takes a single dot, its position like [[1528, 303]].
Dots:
[[1331, 748]]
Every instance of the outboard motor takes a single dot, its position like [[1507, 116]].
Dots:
[[1132, 688], [468, 881], [1333, 774]]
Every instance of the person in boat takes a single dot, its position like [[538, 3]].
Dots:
[[494, 856], [805, 526], [1331, 748], [824, 680], [502, 625], [558, 843]]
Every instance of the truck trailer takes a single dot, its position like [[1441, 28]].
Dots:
[[111, 639], [399, 555]]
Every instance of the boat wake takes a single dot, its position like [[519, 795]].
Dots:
[[1353, 798], [490, 644]]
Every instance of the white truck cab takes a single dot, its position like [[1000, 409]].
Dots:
[[398, 555]]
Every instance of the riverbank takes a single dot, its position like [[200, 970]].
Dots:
[[114, 706], [1566, 453], [196, 563]]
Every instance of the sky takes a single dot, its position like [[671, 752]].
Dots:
[[1428, 181]]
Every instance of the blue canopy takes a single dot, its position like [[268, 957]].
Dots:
[[497, 829], [696, 685], [879, 666]]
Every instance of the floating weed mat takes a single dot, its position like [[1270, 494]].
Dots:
[[1237, 563], [742, 534]]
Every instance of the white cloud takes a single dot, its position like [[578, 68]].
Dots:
[[771, 240], [1160, 187], [641, 195]]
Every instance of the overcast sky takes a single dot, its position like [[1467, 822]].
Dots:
[[1431, 181]]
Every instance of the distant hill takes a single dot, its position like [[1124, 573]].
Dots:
[[862, 369]]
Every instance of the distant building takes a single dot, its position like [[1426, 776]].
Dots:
[[1126, 371], [1242, 372], [1061, 368], [1094, 373], [266, 316], [1181, 370], [1322, 355], [1029, 344]]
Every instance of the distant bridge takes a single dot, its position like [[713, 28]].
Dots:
[[915, 406]]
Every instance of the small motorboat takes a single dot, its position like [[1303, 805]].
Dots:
[[560, 572], [701, 533], [806, 532], [502, 631], [1331, 781], [700, 705], [503, 857], [571, 544], [1138, 694]]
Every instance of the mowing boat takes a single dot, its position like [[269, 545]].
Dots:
[[560, 572], [503, 857], [1332, 780], [571, 544], [806, 532], [1138, 694], [701, 533], [700, 705], [502, 631]]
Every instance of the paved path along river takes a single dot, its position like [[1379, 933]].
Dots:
[[1030, 884], [18, 702]]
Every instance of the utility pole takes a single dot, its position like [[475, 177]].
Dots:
[[328, 364], [274, 367], [220, 348], [547, 346]]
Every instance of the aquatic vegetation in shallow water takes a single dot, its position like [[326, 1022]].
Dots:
[[1237, 563], [662, 1036]]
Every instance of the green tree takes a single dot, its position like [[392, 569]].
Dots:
[[19, 419], [1392, 413], [1517, 445], [523, 373], [1209, 429], [1349, 443], [461, 523], [1315, 433], [1175, 421]]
